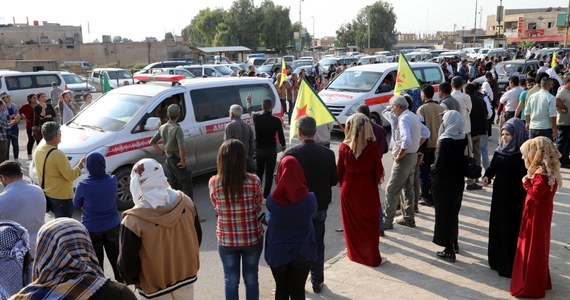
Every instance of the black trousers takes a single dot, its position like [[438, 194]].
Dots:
[[266, 159], [290, 279], [425, 178], [31, 141], [109, 241]]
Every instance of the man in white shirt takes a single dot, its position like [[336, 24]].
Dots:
[[542, 67], [464, 102], [510, 99], [409, 135], [540, 112]]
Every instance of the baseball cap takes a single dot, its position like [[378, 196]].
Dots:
[[4, 95], [66, 92], [173, 110]]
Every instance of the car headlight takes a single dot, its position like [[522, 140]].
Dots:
[[352, 110]]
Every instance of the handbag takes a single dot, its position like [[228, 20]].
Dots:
[[36, 133], [472, 169], [48, 207]]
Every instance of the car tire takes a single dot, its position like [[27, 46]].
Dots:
[[124, 197]]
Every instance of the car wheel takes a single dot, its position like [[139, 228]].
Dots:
[[124, 198]]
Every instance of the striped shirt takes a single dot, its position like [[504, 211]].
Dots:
[[237, 221]]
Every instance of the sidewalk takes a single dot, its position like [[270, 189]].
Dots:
[[414, 272]]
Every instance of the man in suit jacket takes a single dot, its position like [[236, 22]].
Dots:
[[319, 166]]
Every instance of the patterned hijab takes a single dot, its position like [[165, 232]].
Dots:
[[540, 152], [66, 266], [516, 128], [290, 182], [149, 186], [451, 126], [14, 245], [358, 132]]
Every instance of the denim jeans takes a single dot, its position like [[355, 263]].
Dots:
[[231, 258], [317, 270], [60, 208], [109, 241], [425, 178], [563, 143], [532, 133], [13, 139]]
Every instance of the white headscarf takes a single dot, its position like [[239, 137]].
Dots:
[[451, 126], [149, 186]]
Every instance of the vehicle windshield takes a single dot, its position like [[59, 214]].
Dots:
[[355, 81], [483, 51], [122, 74], [299, 63], [72, 78], [224, 70], [507, 68], [328, 61], [110, 112]]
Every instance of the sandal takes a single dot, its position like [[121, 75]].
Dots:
[[449, 256]]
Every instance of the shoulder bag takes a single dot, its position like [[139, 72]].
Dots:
[[48, 207]]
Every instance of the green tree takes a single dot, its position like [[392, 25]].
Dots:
[[382, 19], [275, 26], [243, 23], [203, 27]]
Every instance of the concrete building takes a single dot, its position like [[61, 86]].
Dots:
[[540, 25], [40, 33]]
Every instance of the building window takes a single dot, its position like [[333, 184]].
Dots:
[[492, 28], [532, 26], [550, 24]]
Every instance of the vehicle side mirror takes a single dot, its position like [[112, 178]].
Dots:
[[152, 123]]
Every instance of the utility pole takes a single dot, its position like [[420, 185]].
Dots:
[[300, 27], [567, 21], [500, 15], [313, 39], [475, 24]]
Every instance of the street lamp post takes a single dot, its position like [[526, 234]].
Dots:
[[300, 27], [313, 39]]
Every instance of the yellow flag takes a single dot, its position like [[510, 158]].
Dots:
[[405, 78], [309, 104], [283, 72], [554, 60]]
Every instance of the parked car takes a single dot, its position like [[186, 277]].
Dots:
[[210, 70], [506, 69], [256, 61], [298, 63], [268, 69], [120, 124], [161, 64], [173, 71], [117, 77], [76, 84], [20, 84], [495, 52]]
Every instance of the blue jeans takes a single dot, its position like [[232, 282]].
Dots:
[[13, 139], [317, 270], [231, 257], [60, 208], [563, 143], [484, 145], [532, 133]]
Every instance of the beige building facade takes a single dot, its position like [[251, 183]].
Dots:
[[540, 25]]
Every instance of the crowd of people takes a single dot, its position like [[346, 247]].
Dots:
[[63, 258]]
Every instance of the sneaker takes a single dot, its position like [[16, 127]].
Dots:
[[404, 222], [473, 187], [29, 157], [388, 226], [446, 255], [424, 202], [339, 230], [382, 234], [317, 287]]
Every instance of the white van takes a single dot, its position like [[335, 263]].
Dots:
[[373, 85], [121, 122], [20, 84], [77, 64]]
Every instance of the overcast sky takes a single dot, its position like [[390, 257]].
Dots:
[[138, 19]]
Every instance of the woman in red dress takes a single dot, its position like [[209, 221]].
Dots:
[[531, 276], [359, 173]]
